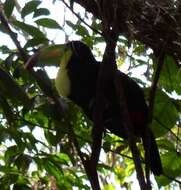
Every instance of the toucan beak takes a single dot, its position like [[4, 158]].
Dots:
[[47, 56]]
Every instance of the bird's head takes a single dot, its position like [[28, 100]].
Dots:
[[72, 56], [59, 54], [80, 51]]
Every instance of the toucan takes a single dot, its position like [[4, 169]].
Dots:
[[77, 80]]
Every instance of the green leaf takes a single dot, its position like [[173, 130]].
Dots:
[[37, 117], [171, 162], [109, 187], [177, 104], [10, 59], [82, 30], [11, 153], [78, 28], [170, 77], [51, 138], [23, 161], [44, 82], [53, 170], [10, 89], [165, 114], [4, 134], [7, 110], [139, 49], [96, 24], [30, 141], [8, 7], [49, 110], [22, 183], [10, 177], [63, 157], [40, 12], [48, 23], [166, 144], [58, 159], [30, 7], [71, 24], [30, 29], [99, 39], [4, 49], [36, 42], [3, 28], [19, 186]]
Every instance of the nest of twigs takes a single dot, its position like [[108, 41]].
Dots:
[[156, 23]]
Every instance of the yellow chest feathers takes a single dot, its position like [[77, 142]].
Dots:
[[62, 81]]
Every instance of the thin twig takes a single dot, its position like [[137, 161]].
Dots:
[[164, 126], [82, 20], [90, 170], [12, 35], [154, 84], [177, 143], [172, 178]]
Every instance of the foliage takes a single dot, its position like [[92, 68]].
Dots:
[[37, 149]]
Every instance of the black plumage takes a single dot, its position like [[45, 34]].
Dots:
[[83, 73], [77, 80]]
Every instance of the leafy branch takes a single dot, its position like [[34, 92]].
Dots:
[[79, 18], [50, 92]]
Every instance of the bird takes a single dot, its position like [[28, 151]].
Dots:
[[77, 80]]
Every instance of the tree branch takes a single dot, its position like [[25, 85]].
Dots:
[[154, 85], [108, 73], [164, 126], [12, 35], [82, 20]]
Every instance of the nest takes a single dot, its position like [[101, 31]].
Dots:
[[155, 23]]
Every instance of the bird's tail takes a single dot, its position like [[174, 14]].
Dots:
[[154, 160]]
